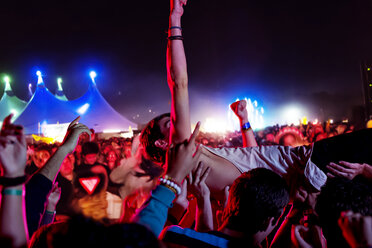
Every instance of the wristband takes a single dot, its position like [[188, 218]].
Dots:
[[246, 126], [50, 212], [8, 181], [12, 192]]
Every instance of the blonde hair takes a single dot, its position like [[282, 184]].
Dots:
[[93, 206]]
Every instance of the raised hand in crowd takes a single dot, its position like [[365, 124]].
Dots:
[[240, 110], [349, 170], [198, 187], [356, 229], [52, 201], [13, 155], [183, 157], [13, 147], [72, 135], [41, 183], [70, 141]]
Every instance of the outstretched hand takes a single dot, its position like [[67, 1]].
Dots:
[[197, 185], [240, 110], [53, 197], [176, 7], [345, 169], [182, 158], [72, 135], [13, 149]]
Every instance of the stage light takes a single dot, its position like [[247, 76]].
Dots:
[[59, 82], [292, 114], [212, 125], [6, 79], [83, 109], [93, 75], [39, 78]]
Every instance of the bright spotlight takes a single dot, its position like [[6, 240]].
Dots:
[[59, 82], [93, 75], [6, 79], [39, 78], [292, 114]]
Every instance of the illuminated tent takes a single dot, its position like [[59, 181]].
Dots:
[[44, 108], [9, 103], [98, 114]]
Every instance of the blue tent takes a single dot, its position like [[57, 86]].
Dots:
[[9, 103], [98, 114], [95, 111], [44, 108]]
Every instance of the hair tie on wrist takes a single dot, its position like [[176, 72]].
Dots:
[[175, 37], [175, 27], [8, 182], [246, 126]]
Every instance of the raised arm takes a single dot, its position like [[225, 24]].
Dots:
[[51, 168], [181, 158], [240, 110], [13, 150], [177, 75], [40, 184]]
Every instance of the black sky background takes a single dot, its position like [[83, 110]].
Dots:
[[275, 52]]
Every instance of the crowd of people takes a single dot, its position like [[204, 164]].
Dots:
[[168, 186]]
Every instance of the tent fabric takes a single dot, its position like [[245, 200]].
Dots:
[[60, 95], [98, 114], [44, 107], [9, 103], [94, 110]]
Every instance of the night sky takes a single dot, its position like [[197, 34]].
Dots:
[[276, 52]]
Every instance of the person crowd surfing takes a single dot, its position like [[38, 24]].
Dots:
[[167, 188]]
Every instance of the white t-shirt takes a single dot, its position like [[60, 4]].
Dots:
[[284, 160]]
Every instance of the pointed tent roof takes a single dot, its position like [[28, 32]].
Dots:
[[9, 103], [44, 107], [98, 114], [59, 92]]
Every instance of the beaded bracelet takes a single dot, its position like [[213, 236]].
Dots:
[[170, 184], [246, 126]]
